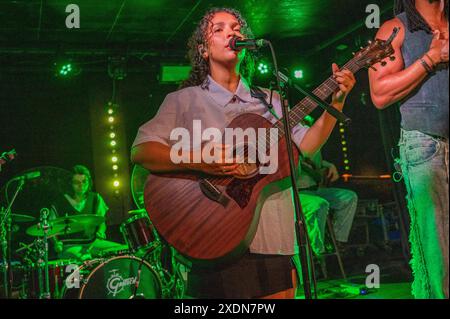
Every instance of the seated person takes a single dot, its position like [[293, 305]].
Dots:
[[317, 199], [90, 241]]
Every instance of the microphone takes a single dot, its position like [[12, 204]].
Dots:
[[27, 176], [237, 44]]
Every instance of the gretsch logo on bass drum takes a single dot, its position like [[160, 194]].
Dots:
[[116, 283]]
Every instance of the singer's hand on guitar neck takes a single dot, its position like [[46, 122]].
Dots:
[[346, 80]]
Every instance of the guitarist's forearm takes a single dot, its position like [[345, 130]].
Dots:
[[155, 157], [318, 134]]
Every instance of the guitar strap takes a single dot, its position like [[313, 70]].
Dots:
[[256, 92]]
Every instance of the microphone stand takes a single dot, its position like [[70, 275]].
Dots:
[[283, 82], [5, 237], [300, 228]]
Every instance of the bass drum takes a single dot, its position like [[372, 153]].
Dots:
[[114, 278]]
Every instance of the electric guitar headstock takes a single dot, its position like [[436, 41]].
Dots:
[[376, 52]]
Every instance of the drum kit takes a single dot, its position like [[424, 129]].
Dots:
[[144, 268]]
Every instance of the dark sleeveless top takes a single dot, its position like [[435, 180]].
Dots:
[[426, 108]]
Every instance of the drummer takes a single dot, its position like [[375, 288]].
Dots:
[[80, 199]]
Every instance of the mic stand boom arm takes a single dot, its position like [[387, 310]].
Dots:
[[341, 117]]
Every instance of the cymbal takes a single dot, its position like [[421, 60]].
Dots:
[[81, 219], [55, 229], [20, 218], [67, 225]]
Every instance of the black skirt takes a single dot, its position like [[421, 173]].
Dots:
[[252, 276]]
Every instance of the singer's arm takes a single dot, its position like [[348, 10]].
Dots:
[[318, 133]]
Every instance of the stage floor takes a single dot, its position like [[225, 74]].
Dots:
[[340, 289]]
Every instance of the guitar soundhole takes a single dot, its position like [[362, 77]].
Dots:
[[250, 166]]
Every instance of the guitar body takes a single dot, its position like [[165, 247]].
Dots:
[[205, 231]]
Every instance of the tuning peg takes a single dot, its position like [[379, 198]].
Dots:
[[361, 48], [383, 63], [373, 69], [353, 53], [369, 42], [392, 58]]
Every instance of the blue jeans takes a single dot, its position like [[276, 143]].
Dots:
[[316, 205], [424, 164]]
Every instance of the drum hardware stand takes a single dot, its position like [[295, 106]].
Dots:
[[172, 279], [43, 254], [5, 237], [138, 280]]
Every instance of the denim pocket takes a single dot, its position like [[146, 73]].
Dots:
[[421, 151]]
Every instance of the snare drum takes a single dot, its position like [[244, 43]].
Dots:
[[114, 278], [138, 232]]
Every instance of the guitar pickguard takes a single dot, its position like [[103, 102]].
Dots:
[[241, 190]]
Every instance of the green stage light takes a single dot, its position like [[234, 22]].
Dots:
[[263, 68], [112, 135], [65, 69], [113, 143], [298, 74]]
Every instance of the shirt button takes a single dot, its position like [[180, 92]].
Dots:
[[234, 99]]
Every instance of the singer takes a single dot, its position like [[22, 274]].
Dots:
[[217, 90]]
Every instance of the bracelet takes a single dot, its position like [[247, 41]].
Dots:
[[432, 62], [426, 66]]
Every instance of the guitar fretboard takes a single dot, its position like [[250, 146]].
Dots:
[[307, 105]]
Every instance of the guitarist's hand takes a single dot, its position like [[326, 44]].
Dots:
[[346, 80], [222, 165], [333, 174]]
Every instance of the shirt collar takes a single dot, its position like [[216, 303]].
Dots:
[[222, 96]]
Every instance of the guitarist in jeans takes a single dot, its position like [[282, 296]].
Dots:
[[217, 91]]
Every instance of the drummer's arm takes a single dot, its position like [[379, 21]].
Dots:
[[101, 232], [101, 211]]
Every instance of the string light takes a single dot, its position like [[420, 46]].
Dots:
[[112, 116], [344, 144]]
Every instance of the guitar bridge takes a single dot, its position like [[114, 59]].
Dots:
[[213, 193]]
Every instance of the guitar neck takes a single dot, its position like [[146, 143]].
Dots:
[[307, 105]]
